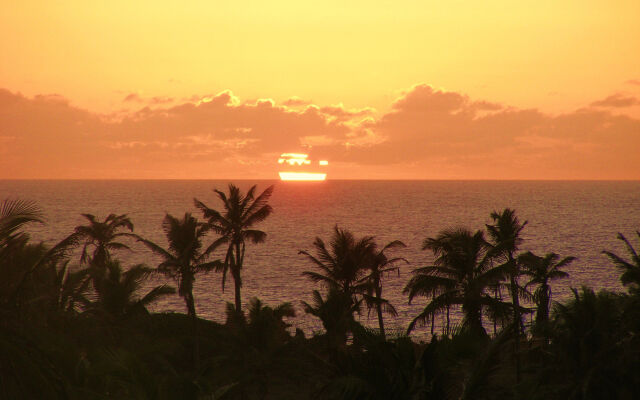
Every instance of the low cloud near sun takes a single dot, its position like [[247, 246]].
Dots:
[[426, 134]]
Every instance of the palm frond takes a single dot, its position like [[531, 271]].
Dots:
[[156, 293], [14, 214]]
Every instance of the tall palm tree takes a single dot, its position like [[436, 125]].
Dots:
[[630, 269], [505, 241], [377, 266], [461, 274], [184, 257], [102, 237], [182, 260], [117, 290], [543, 270], [235, 224]]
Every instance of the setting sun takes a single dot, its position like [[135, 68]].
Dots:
[[403, 90]]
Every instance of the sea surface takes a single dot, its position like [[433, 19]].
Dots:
[[571, 218]]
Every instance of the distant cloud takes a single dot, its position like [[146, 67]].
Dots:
[[617, 100], [132, 97], [296, 102], [427, 133], [633, 82], [136, 98], [487, 106]]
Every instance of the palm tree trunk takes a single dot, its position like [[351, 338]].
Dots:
[[432, 324], [495, 320], [237, 279], [379, 309], [448, 321], [238, 298], [517, 319], [542, 316], [191, 308]]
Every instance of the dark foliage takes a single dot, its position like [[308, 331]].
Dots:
[[67, 332]]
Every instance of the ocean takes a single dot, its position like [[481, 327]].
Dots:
[[571, 218]]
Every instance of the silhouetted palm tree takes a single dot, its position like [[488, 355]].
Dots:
[[630, 269], [183, 260], [335, 312], [592, 355], [344, 263], [505, 241], [266, 326], [542, 270], [234, 225], [31, 270], [461, 275], [117, 290], [102, 237], [377, 266], [184, 257]]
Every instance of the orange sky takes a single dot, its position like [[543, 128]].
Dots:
[[385, 89]]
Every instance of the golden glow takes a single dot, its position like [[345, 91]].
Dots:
[[324, 162], [302, 176], [294, 158], [215, 87], [294, 155], [166, 48]]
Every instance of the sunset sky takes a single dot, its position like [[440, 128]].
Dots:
[[382, 89]]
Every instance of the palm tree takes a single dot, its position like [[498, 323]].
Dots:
[[460, 275], [30, 270], [592, 355], [182, 261], [379, 265], [102, 237], [542, 270], [505, 241], [16, 255], [343, 264], [234, 225], [336, 313], [630, 269], [184, 257], [266, 326], [116, 291]]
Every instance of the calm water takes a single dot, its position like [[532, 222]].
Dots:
[[569, 218]]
